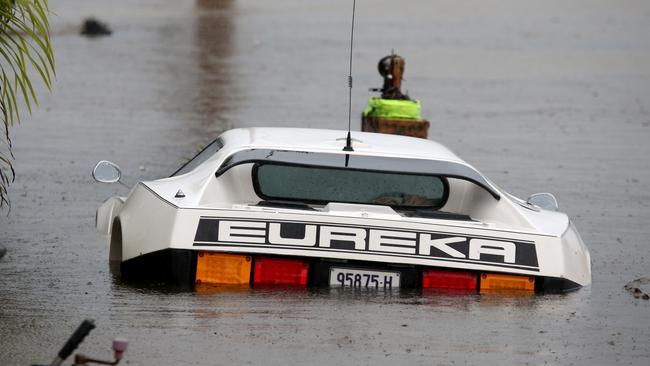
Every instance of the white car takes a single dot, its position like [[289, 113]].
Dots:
[[287, 206]]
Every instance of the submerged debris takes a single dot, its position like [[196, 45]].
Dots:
[[94, 28], [638, 288], [3, 251]]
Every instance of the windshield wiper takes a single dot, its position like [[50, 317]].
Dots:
[[435, 214], [285, 204]]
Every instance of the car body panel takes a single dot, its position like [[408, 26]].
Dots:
[[503, 232]]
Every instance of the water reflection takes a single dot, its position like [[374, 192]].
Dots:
[[459, 299], [202, 289], [213, 39]]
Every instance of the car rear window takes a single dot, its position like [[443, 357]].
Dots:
[[313, 184]]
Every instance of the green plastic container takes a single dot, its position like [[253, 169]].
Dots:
[[393, 109]]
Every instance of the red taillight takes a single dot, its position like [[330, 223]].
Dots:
[[280, 271], [448, 280]]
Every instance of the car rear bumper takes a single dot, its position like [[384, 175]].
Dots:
[[178, 267]]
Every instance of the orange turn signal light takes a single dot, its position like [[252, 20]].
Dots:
[[223, 269], [506, 282]]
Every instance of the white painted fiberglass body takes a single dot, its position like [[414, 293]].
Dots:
[[487, 229]]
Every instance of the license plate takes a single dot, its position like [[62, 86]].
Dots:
[[362, 278]]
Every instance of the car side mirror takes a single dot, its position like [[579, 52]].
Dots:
[[107, 172], [545, 201]]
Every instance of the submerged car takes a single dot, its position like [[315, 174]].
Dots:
[[285, 206]]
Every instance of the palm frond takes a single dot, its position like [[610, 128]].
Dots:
[[24, 48]]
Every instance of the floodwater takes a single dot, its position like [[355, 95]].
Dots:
[[539, 95]]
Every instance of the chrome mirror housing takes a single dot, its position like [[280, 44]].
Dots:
[[107, 172], [545, 201]]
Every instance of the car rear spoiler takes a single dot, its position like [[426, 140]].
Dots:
[[359, 162]]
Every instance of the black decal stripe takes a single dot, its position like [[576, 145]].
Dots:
[[417, 231], [364, 218], [207, 230], [527, 255], [414, 246], [320, 249], [491, 247]]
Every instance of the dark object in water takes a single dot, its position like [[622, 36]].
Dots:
[[394, 113], [94, 28], [3, 251], [636, 288], [391, 68], [119, 347]]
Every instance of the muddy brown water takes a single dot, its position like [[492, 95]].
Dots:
[[540, 96]]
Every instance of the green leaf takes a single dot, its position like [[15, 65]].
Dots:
[[25, 51]]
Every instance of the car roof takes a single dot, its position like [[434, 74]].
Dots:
[[333, 141], [286, 145]]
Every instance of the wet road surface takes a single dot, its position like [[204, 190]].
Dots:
[[540, 96]]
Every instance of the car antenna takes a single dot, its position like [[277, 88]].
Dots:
[[348, 140]]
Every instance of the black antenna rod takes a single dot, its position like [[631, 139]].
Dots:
[[348, 140]]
